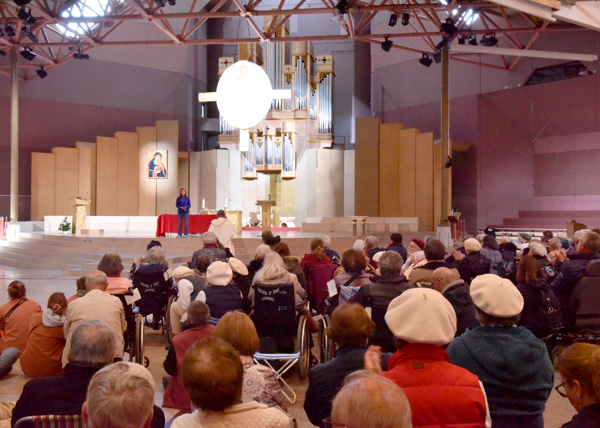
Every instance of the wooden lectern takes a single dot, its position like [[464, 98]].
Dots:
[[266, 214], [80, 214]]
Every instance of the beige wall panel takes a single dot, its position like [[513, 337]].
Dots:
[[43, 181], [407, 205], [183, 172], [146, 186], [87, 173], [127, 184], [389, 186], [437, 183], [107, 161], [424, 180], [366, 167], [167, 138], [336, 169], [67, 178], [208, 179], [195, 180]]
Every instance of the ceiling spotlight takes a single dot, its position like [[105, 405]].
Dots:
[[442, 43], [437, 56], [10, 31], [489, 40], [28, 54], [2, 53], [449, 27], [405, 18], [393, 20], [41, 72], [343, 6], [160, 3], [473, 40], [462, 40], [172, 2], [1, 32], [25, 14], [27, 31], [80, 55], [425, 60], [22, 2], [387, 44]]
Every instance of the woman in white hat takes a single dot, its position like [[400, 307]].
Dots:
[[220, 294], [189, 285], [511, 362]]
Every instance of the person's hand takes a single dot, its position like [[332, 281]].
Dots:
[[373, 359], [458, 255]]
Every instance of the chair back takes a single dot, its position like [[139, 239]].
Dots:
[[584, 303], [275, 311], [50, 421], [317, 276]]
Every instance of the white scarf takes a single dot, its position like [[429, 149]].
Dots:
[[51, 319]]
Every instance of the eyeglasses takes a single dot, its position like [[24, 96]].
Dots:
[[562, 391], [329, 423]]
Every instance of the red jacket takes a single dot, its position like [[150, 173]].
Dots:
[[176, 395], [439, 393]]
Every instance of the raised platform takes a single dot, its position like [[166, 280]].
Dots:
[[553, 219]]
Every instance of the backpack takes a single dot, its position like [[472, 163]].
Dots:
[[548, 313]]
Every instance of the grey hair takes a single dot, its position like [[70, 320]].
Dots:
[[387, 406], [93, 344], [96, 279], [359, 245], [120, 395], [198, 313], [371, 242], [156, 254], [538, 249], [555, 243], [390, 263], [273, 268], [209, 238], [326, 240]]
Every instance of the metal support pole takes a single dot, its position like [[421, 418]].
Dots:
[[445, 132], [14, 137]]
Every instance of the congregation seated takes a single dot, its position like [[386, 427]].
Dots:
[[332, 254], [572, 270], [435, 253], [15, 317], [511, 362], [353, 275], [378, 294], [292, 264], [396, 245], [120, 395], [198, 315], [473, 263], [371, 248], [112, 266], [260, 382], [274, 274], [43, 354], [81, 290], [220, 294], [556, 254], [189, 285], [415, 255], [523, 244], [350, 329], [387, 406], [456, 291], [257, 263], [92, 347], [579, 369], [316, 256], [489, 249], [210, 248], [508, 250], [439, 393], [213, 375]]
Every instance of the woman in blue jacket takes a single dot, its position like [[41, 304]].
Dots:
[[183, 211]]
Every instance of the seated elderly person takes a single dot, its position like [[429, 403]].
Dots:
[[240, 280], [256, 264], [213, 375], [260, 382], [371, 248], [456, 291], [556, 254], [189, 285], [473, 263], [435, 253], [220, 294], [273, 274], [333, 255], [579, 369], [510, 361], [112, 266], [440, 393], [120, 395], [414, 257], [210, 248], [378, 294], [14, 323], [350, 329], [387, 406], [353, 276], [588, 248], [316, 256], [198, 315]]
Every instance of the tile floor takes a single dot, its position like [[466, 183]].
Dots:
[[41, 283]]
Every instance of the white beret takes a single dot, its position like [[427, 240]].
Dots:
[[219, 273], [237, 266], [472, 245], [182, 272], [496, 296]]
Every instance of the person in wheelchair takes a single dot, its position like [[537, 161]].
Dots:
[[154, 282], [189, 286], [274, 274]]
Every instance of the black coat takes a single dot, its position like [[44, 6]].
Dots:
[[472, 265], [571, 272], [587, 417], [459, 297]]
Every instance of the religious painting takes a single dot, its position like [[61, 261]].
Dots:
[[157, 163]]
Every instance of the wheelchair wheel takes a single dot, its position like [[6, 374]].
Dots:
[[139, 357], [167, 328], [302, 345], [325, 342]]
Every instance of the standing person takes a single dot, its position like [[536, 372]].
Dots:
[[224, 230], [183, 211]]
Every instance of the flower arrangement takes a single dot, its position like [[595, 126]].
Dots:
[[64, 226]]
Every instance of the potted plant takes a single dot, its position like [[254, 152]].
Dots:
[[64, 226]]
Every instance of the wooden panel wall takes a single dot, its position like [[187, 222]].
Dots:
[[390, 186], [366, 167], [424, 189], [207, 188], [437, 183], [195, 181], [43, 180], [183, 172], [87, 174], [167, 138], [147, 187], [107, 169], [128, 161], [67, 179], [407, 205]]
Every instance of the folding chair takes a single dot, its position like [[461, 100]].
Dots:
[[290, 361]]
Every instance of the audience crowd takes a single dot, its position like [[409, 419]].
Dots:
[[425, 336]]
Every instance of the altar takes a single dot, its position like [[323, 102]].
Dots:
[[198, 223]]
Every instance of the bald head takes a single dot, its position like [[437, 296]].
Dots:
[[96, 280], [441, 277]]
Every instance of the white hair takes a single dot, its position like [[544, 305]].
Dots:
[[326, 240], [262, 250], [538, 249], [156, 254], [209, 238], [371, 242], [273, 268], [359, 245]]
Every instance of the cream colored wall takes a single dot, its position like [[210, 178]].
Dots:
[[43, 180], [183, 172], [195, 181], [146, 186], [330, 183], [222, 179], [167, 190], [67, 179], [87, 174], [389, 160], [107, 170], [128, 155], [424, 192], [366, 164], [349, 195]]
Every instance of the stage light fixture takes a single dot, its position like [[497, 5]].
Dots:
[[28, 54], [437, 56], [22, 2], [10, 31], [425, 60], [343, 6], [172, 2], [405, 18], [80, 55], [449, 27], [27, 31], [25, 14], [41, 72], [2, 53], [393, 20], [462, 40], [387, 44], [1, 32], [160, 3], [473, 40], [442, 43], [489, 40]]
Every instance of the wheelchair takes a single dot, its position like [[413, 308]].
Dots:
[[582, 313], [155, 289], [134, 335]]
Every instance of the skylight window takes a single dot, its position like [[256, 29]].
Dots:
[[82, 8]]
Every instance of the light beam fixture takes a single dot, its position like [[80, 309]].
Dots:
[[387, 44], [160, 3], [462, 39], [41, 72], [405, 18], [449, 27], [473, 40], [426, 60], [2, 53], [80, 55], [27, 31], [22, 2], [343, 6], [393, 20], [10, 31], [28, 54], [489, 40]]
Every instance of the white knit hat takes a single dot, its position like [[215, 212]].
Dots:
[[219, 273], [422, 315], [262, 250], [538, 249], [182, 272], [472, 245], [496, 296], [237, 266]]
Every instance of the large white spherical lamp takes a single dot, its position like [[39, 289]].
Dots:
[[244, 94]]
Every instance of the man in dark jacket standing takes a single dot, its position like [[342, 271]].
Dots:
[[574, 269], [456, 291]]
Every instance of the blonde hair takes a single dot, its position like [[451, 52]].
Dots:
[[237, 329], [273, 268]]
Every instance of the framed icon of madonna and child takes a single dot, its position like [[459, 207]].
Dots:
[[157, 163]]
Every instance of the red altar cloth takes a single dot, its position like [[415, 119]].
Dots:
[[198, 223]]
